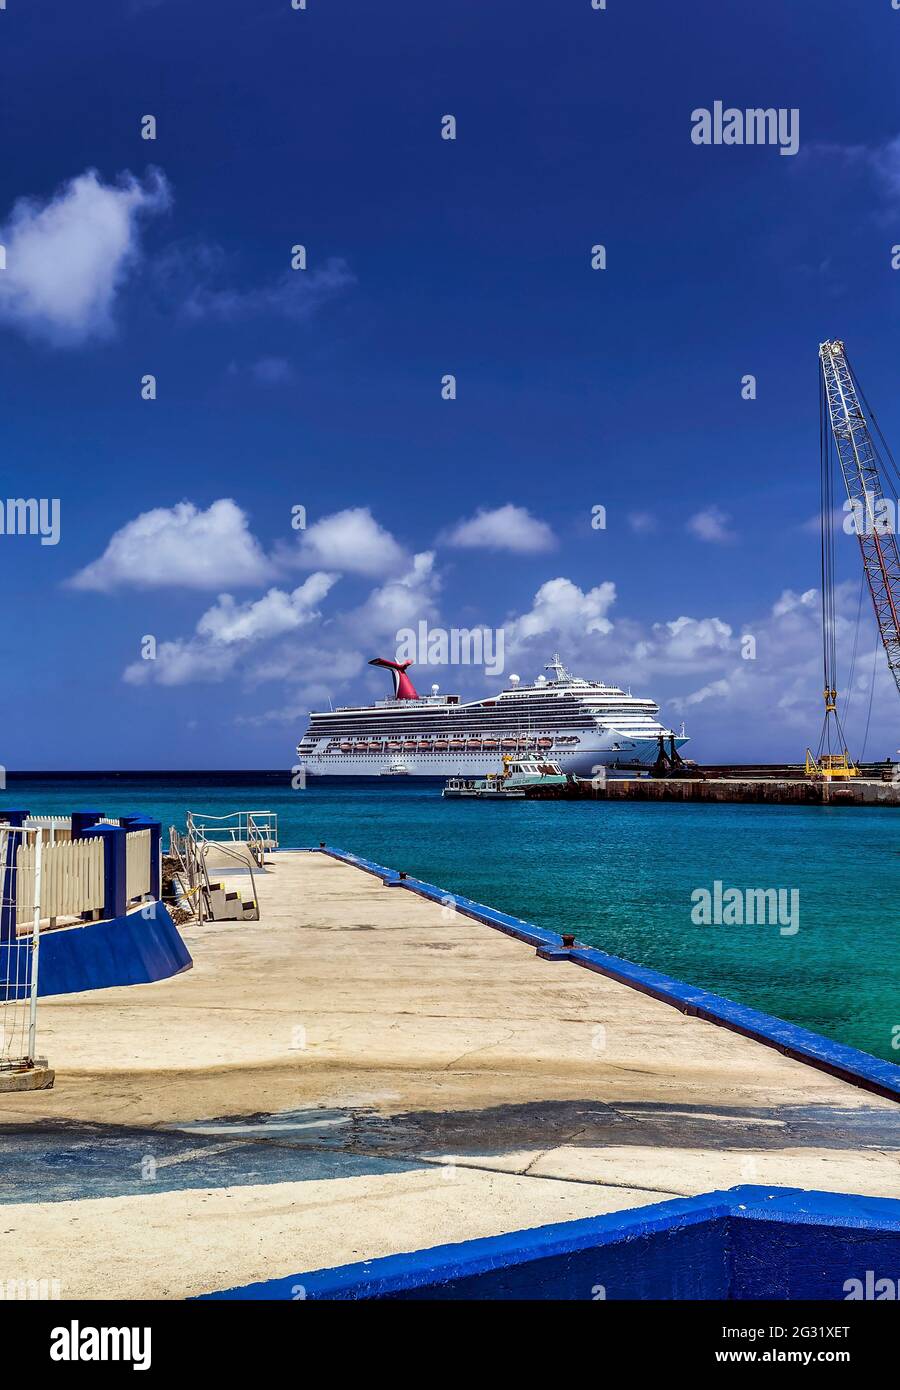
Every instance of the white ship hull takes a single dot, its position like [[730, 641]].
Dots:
[[581, 762]]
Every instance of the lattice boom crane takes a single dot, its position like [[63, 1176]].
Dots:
[[859, 461]]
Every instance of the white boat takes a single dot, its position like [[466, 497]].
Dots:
[[582, 725], [395, 770], [488, 788], [512, 783]]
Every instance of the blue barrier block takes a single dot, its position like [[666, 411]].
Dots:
[[82, 820], [749, 1242], [113, 837]]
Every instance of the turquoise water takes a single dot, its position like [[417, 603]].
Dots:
[[618, 875]]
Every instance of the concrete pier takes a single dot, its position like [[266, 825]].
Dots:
[[365, 1072], [857, 791]]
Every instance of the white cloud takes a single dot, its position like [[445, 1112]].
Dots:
[[275, 613], [711, 524], [399, 602], [296, 294], [642, 523], [685, 643], [789, 602], [225, 632], [66, 258], [561, 610], [716, 690], [503, 528], [182, 662], [878, 162], [180, 545], [351, 541]]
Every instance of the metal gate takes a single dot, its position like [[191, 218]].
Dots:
[[20, 939]]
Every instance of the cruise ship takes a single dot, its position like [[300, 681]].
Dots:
[[581, 724]]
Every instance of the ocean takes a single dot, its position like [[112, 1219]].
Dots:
[[619, 875]]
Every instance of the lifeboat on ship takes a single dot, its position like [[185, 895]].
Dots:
[[457, 745], [474, 745], [409, 745], [441, 745], [425, 745], [545, 743], [489, 743]]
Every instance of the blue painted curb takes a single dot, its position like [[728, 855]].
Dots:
[[128, 950], [848, 1063], [752, 1242]]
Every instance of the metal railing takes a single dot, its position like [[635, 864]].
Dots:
[[256, 829], [242, 836], [20, 938]]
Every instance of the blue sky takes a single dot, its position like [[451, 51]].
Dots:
[[322, 388]]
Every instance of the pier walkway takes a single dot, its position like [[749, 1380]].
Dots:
[[363, 1072]]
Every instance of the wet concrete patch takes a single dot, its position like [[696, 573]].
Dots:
[[498, 1130], [63, 1162]]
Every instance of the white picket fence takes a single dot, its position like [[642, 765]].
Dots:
[[53, 828], [137, 864], [71, 879]]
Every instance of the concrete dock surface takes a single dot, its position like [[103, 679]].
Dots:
[[363, 1072]]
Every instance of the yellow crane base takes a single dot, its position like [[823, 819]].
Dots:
[[830, 766]]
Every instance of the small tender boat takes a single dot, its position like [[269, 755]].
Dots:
[[395, 770], [490, 788], [512, 783]]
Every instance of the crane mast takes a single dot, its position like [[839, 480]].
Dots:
[[859, 462]]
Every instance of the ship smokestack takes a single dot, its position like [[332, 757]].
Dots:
[[403, 686]]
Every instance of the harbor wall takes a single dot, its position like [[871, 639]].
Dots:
[[767, 791]]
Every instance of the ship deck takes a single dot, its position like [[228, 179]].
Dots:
[[364, 1072]]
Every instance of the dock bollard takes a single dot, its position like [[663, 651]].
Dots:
[[321, 844], [568, 940], [402, 873]]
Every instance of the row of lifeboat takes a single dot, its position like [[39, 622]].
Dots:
[[441, 745]]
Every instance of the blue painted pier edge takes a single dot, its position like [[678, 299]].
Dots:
[[748, 1242], [138, 948], [848, 1063]]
